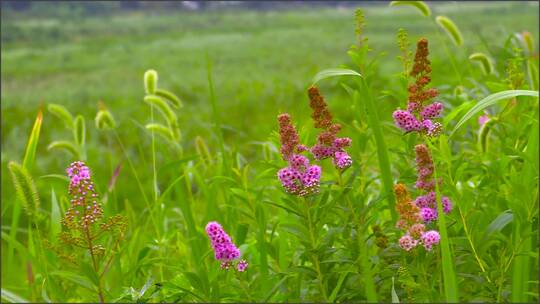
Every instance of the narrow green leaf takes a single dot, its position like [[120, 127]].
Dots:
[[13, 297], [334, 73], [451, 29], [500, 222], [336, 290], [422, 7], [489, 101], [395, 298], [55, 216], [31, 146], [145, 287], [75, 278]]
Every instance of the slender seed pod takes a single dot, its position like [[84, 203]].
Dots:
[[173, 99], [202, 150], [451, 29], [150, 81], [483, 136], [25, 188], [62, 113], [160, 129], [422, 7], [80, 131], [66, 145], [162, 106], [485, 62]]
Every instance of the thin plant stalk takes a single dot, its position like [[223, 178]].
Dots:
[[382, 151], [449, 275]]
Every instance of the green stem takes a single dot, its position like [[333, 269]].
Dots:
[[382, 151], [449, 276], [315, 256]]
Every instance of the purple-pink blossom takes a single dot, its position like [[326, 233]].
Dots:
[[430, 238], [407, 242]]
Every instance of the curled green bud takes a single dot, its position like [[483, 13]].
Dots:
[[161, 130], [104, 120], [150, 81], [422, 7], [25, 188], [484, 61], [66, 145], [62, 113], [451, 29], [483, 136], [173, 99], [163, 107], [80, 131], [202, 150]]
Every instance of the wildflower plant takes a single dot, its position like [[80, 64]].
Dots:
[[86, 228], [420, 114]]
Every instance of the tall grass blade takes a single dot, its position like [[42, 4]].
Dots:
[[449, 275], [421, 6], [215, 117], [55, 216], [374, 123], [489, 101], [31, 146], [451, 29]]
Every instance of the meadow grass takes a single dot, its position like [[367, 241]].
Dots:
[[234, 72]]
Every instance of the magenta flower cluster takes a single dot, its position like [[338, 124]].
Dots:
[[408, 122], [224, 249], [340, 158], [300, 177], [85, 208]]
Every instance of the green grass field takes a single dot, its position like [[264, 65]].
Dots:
[[324, 248]]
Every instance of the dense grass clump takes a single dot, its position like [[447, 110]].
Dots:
[[381, 154]]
